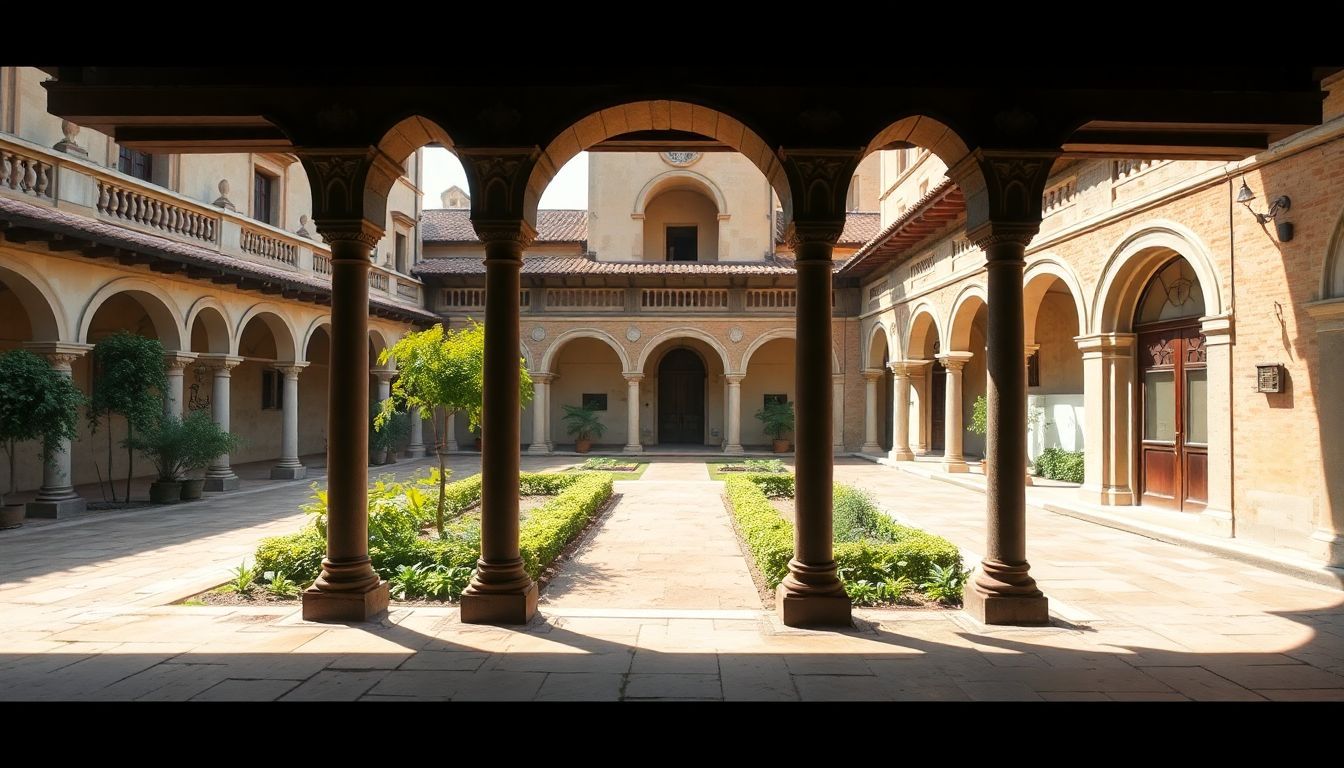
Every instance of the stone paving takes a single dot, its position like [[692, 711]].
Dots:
[[83, 616]]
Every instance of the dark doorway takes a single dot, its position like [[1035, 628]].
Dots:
[[681, 398], [681, 244], [938, 407]]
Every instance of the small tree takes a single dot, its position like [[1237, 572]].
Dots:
[[776, 418], [178, 446], [129, 381], [583, 423], [36, 403], [441, 369]]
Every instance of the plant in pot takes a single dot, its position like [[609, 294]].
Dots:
[[584, 424], [177, 447], [204, 440], [777, 420], [36, 403], [387, 434]]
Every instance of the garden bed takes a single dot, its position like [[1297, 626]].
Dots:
[[881, 562], [420, 562], [720, 470], [621, 469]]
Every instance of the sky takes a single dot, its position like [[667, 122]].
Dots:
[[569, 188]]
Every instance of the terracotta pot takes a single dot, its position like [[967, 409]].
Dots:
[[477, 443], [192, 488], [583, 446], [781, 446], [11, 516], [165, 491]]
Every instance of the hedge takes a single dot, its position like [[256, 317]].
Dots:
[[1059, 464], [869, 545]]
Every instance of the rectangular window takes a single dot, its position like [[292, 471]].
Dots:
[[1034, 369], [781, 399], [272, 390], [401, 253], [681, 244], [594, 401], [135, 163], [263, 197]]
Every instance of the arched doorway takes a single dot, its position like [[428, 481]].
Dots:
[[681, 398], [1173, 446]]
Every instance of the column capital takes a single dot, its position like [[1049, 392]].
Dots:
[[632, 377], [955, 361], [734, 379], [59, 353], [908, 368], [1003, 190], [818, 183], [349, 191], [175, 360], [873, 374], [220, 364], [384, 375], [1030, 349], [505, 171], [541, 378], [1106, 344], [291, 370]]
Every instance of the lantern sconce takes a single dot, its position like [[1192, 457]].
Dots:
[[1277, 206]]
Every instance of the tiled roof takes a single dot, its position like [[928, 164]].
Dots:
[[36, 217], [931, 214], [583, 265], [860, 227], [453, 225]]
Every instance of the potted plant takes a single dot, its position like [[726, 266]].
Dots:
[[980, 425], [36, 403], [204, 440], [777, 420], [584, 424], [164, 442], [387, 435]]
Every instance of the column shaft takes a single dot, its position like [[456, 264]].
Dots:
[[632, 413], [900, 444], [734, 441], [541, 403], [450, 431], [289, 467], [417, 447], [219, 476], [954, 460], [870, 381]]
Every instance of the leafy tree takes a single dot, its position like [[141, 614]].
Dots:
[[129, 381], [442, 369], [36, 403]]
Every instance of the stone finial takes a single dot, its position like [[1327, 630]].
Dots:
[[70, 144], [302, 231], [223, 201]]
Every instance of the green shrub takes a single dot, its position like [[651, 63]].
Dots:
[[764, 465], [298, 555], [945, 584], [772, 485], [549, 528], [769, 537], [545, 484], [1059, 464]]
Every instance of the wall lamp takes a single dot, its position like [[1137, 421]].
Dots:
[[1278, 205]]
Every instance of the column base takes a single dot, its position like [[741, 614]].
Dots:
[[55, 509], [500, 607], [216, 484], [1216, 522], [1326, 546], [319, 605], [733, 450], [633, 448], [289, 473], [1010, 610], [539, 448], [450, 446], [955, 466], [902, 456], [416, 452], [1110, 497], [797, 610], [871, 449]]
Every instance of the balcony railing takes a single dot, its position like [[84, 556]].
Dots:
[[771, 300], [683, 298]]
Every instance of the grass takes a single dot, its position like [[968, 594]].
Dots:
[[635, 475], [716, 469]]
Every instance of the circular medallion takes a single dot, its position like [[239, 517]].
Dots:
[[735, 334], [538, 333], [681, 159], [632, 333]]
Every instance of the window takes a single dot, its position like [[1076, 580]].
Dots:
[[263, 197], [781, 399], [681, 243], [852, 198], [135, 163], [923, 188], [593, 401], [401, 253], [272, 390], [1034, 369]]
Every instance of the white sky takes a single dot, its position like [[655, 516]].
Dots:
[[569, 188]]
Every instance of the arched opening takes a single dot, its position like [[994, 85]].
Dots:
[[927, 414], [257, 398], [588, 374], [1055, 416], [769, 376], [967, 341], [883, 389], [1173, 422], [313, 396], [25, 315], [681, 398], [682, 218]]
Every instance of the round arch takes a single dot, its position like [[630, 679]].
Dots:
[[771, 335], [959, 322], [273, 316], [679, 333], [1332, 276], [656, 115], [323, 321], [161, 308], [680, 178], [410, 134], [1036, 281], [548, 357], [45, 314], [1132, 263], [922, 320], [921, 131], [871, 355], [215, 321]]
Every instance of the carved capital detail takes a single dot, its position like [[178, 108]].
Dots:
[[498, 179], [176, 361], [1003, 193], [819, 181], [291, 369], [350, 187], [955, 361], [220, 364]]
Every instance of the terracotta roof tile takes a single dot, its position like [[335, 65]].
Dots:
[[453, 225], [584, 265], [860, 227]]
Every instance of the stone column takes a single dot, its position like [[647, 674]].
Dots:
[[903, 371], [416, 449], [541, 407], [837, 414], [450, 428], [289, 467], [919, 383], [175, 364], [632, 412], [1327, 541], [57, 496], [953, 458], [219, 475], [1108, 399], [501, 591], [734, 442], [1216, 517], [871, 378]]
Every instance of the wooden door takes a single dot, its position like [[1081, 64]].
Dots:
[[1173, 450], [681, 398]]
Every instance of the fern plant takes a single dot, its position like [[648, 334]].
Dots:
[[280, 585], [945, 584], [243, 581]]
